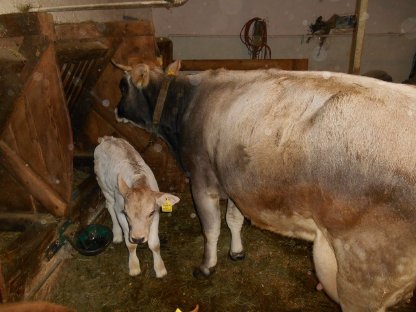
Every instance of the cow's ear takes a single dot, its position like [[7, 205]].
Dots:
[[162, 197], [122, 186], [173, 68], [140, 75]]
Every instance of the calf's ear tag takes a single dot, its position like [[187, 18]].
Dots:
[[167, 206]]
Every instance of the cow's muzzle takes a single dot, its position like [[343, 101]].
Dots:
[[135, 240]]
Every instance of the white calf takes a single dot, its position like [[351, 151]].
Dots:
[[132, 198]]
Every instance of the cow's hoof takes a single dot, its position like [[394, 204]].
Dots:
[[237, 256], [200, 273]]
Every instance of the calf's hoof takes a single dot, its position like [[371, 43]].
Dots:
[[237, 256], [134, 272], [201, 273], [161, 273], [117, 237]]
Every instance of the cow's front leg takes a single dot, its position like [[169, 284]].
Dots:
[[207, 205], [235, 222], [154, 245]]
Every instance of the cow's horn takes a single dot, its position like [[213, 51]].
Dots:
[[122, 67]]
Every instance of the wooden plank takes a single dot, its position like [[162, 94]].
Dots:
[[26, 137], [358, 37], [39, 306], [27, 252], [52, 125], [33, 183], [169, 176], [11, 59], [19, 221], [239, 64], [89, 30], [18, 24], [14, 196], [71, 51]]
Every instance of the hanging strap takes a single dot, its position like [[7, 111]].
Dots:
[[157, 114]]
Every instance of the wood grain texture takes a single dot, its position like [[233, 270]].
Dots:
[[237, 64], [36, 130]]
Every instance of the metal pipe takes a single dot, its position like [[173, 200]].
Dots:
[[116, 5]]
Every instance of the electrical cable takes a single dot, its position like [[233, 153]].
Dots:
[[254, 36]]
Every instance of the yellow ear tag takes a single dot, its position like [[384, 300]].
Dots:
[[171, 72], [178, 310], [167, 206]]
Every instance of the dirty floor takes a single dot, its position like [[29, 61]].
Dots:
[[277, 274]]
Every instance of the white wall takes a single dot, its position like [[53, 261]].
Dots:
[[210, 29], [204, 29]]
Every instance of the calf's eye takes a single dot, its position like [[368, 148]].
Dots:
[[152, 213]]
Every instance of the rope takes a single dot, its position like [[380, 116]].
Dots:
[[254, 36]]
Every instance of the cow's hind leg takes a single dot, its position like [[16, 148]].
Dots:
[[207, 205], [154, 245], [235, 221]]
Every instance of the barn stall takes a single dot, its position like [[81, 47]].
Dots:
[[58, 92]]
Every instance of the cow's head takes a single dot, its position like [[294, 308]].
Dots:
[[139, 91], [140, 205]]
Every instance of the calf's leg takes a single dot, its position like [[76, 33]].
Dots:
[[109, 204], [235, 221], [154, 245], [134, 263]]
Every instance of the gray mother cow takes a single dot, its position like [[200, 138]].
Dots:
[[325, 157]]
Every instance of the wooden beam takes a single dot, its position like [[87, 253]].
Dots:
[[128, 131], [22, 259], [237, 64], [18, 221], [38, 306], [358, 37], [32, 182]]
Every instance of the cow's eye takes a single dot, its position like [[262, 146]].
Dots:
[[151, 214]]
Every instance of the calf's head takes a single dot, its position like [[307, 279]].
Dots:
[[140, 206], [139, 91]]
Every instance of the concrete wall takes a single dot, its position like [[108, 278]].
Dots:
[[210, 29], [204, 29]]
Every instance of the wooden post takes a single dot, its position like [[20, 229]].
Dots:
[[33, 183], [358, 37]]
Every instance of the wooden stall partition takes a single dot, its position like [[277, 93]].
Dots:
[[128, 42], [36, 147]]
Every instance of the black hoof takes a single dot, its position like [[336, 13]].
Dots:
[[237, 256], [198, 273]]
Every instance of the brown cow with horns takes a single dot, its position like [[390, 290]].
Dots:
[[326, 157]]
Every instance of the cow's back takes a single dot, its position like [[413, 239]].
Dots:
[[114, 156], [321, 146]]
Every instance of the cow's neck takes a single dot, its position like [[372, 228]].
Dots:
[[177, 97]]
